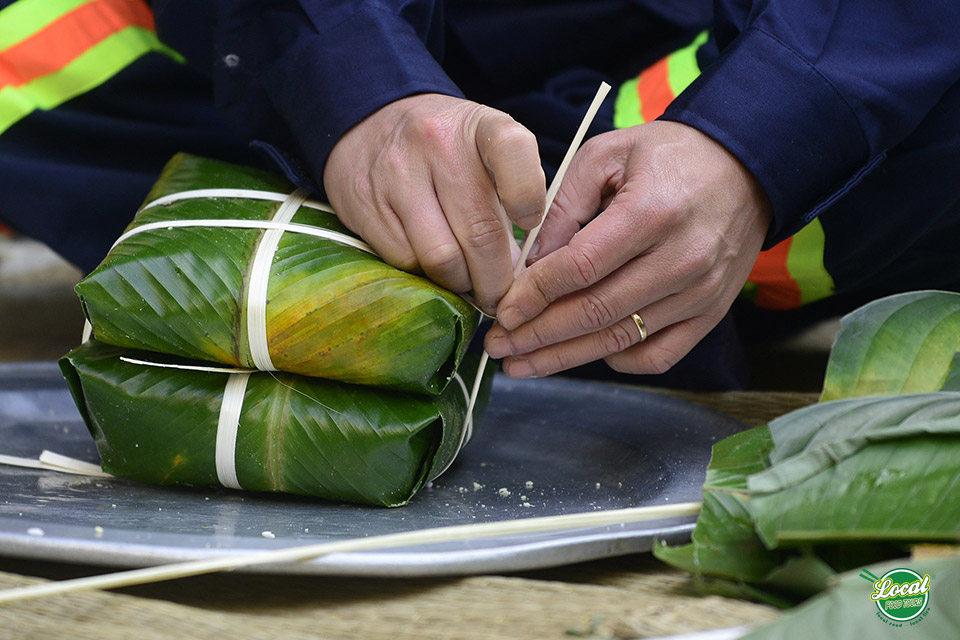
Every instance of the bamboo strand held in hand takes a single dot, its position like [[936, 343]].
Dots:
[[551, 195], [388, 541]]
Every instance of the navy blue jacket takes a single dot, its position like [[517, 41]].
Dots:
[[809, 95], [849, 110]]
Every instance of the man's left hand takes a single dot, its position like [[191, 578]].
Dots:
[[681, 225]]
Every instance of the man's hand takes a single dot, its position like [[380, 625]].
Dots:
[[681, 226], [432, 182]]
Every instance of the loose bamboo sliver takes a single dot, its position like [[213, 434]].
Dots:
[[561, 172], [58, 462], [388, 541], [50, 461]]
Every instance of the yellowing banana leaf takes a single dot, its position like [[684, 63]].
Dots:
[[333, 310], [296, 434], [900, 344]]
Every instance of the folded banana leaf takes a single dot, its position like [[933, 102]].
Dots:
[[332, 310], [295, 434]]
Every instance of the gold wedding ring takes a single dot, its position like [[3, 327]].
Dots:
[[640, 325]]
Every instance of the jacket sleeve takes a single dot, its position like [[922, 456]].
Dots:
[[810, 95], [293, 76]]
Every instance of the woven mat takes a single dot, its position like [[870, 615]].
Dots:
[[628, 597]]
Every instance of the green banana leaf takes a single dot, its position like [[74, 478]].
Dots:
[[724, 542], [845, 482], [334, 311], [296, 434], [846, 612], [878, 469]]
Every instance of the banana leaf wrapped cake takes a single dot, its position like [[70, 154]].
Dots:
[[232, 265], [242, 337], [264, 431]]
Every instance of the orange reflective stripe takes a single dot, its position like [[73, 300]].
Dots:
[[646, 97], [67, 37], [792, 273], [653, 89], [776, 288]]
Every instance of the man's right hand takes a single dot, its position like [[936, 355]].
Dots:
[[432, 182]]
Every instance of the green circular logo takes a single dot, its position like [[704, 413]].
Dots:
[[901, 594]]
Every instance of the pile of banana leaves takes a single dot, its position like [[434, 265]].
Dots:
[[861, 477], [365, 398]]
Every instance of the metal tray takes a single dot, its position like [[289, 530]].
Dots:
[[545, 447]]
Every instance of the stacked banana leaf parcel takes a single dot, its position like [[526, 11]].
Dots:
[[243, 337]]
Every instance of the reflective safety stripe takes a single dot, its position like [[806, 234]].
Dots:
[[653, 90], [791, 274], [60, 42], [788, 275], [56, 50], [26, 17], [645, 98], [805, 263], [683, 64], [772, 285]]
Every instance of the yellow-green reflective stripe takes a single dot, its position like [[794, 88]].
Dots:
[[92, 68], [805, 263], [626, 109], [682, 69], [26, 17]]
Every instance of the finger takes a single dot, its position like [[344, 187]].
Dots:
[[510, 154], [558, 228], [663, 350], [634, 286], [572, 353], [384, 232], [437, 250], [621, 335], [479, 224], [613, 238], [591, 179]]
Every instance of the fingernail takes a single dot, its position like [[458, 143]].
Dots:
[[534, 252], [498, 346], [519, 368], [510, 318], [486, 307]]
